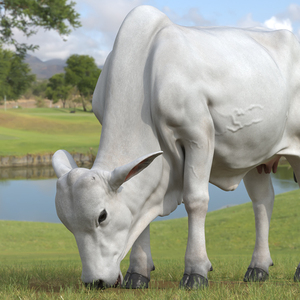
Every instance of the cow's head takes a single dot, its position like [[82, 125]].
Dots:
[[94, 206]]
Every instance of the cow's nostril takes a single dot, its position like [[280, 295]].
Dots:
[[98, 284]]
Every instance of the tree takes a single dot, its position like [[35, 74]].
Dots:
[[58, 89], [15, 77], [28, 15], [39, 87], [4, 69], [82, 72]]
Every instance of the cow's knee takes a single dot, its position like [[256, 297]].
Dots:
[[196, 202]]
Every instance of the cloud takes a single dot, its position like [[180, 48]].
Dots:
[[102, 19], [275, 23], [100, 23], [285, 20]]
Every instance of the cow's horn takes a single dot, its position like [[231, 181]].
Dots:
[[62, 162]]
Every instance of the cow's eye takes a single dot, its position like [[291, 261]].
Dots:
[[102, 216]]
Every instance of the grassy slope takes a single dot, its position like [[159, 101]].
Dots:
[[41, 261], [38, 131]]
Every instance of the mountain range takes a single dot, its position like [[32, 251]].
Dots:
[[45, 69]]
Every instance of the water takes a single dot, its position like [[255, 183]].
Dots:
[[25, 194]]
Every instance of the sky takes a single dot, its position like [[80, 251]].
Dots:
[[101, 20]]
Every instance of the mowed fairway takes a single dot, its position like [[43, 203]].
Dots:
[[45, 130], [41, 261]]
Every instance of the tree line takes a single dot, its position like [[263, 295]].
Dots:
[[81, 72], [76, 84]]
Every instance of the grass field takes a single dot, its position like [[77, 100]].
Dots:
[[44, 130], [41, 261]]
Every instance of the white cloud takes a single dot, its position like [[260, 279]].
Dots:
[[101, 20], [275, 23], [100, 23]]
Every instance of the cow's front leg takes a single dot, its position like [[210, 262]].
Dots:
[[197, 166], [141, 263], [197, 263], [261, 192]]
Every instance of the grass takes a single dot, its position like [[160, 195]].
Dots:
[[41, 261], [44, 130]]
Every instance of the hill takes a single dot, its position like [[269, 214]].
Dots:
[[48, 68], [45, 69]]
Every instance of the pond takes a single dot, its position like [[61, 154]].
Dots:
[[28, 194]]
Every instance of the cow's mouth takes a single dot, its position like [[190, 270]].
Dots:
[[101, 285], [118, 282]]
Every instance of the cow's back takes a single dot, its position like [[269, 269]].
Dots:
[[245, 78]]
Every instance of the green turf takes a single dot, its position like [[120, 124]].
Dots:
[[38, 131], [41, 261]]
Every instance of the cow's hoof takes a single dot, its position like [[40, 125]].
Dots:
[[135, 281], [297, 275], [193, 282], [256, 275]]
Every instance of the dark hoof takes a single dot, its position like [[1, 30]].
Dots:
[[297, 275], [256, 275], [135, 281], [295, 179], [193, 282]]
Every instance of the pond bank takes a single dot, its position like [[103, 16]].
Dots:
[[38, 160]]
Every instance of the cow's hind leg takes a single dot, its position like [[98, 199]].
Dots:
[[199, 148], [141, 263], [261, 192], [295, 163]]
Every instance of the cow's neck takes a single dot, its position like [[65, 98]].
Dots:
[[127, 134]]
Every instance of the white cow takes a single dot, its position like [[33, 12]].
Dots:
[[217, 102]]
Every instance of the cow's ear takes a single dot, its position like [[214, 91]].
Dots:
[[62, 162], [121, 174]]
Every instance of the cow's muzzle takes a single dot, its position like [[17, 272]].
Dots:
[[101, 285]]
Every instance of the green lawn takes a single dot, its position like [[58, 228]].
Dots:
[[41, 261], [44, 130]]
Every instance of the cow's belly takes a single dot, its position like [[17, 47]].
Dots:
[[242, 142]]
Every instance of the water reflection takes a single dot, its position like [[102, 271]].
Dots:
[[28, 200], [26, 195], [27, 173]]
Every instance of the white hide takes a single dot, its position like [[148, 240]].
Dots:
[[217, 101]]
